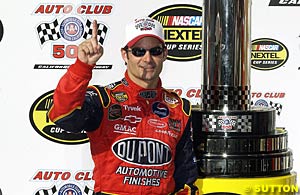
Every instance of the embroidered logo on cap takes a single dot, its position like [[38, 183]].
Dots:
[[144, 24]]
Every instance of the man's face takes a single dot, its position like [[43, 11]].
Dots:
[[144, 69]]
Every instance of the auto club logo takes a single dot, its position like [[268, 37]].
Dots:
[[227, 123], [66, 26], [71, 29]]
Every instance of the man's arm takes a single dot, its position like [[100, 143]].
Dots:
[[186, 171], [76, 108], [72, 108]]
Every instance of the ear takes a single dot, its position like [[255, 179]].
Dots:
[[165, 54], [124, 55]]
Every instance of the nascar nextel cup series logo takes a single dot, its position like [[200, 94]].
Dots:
[[268, 54], [47, 129], [284, 3], [183, 30]]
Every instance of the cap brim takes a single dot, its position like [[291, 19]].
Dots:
[[136, 39]]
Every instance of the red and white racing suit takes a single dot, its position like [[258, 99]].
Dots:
[[140, 138]]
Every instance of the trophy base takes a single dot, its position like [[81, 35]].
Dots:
[[240, 143], [278, 185]]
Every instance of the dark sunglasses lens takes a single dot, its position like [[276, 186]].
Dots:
[[138, 52], [156, 51]]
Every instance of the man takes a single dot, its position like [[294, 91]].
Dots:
[[139, 132]]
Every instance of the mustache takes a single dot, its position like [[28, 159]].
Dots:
[[145, 66]]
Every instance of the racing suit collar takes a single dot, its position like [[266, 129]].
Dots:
[[140, 91]]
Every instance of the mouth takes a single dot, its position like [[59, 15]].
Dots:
[[147, 67]]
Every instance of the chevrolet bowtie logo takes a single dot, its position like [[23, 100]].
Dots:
[[133, 119]]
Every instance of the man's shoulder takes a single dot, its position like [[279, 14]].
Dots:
[[170, 93], [173, 100]]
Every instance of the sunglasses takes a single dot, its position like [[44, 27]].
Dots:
[[139, 51]]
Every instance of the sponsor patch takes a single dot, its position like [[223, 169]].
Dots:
[[126, 129], [142, 151], [114, 112], [120, 96], [132, 108], [141, 176], [133, 119], [125, 82], [167, 132], [91, 93], [160, 109], [171, 99], [111, 85], [174, 124], [149, 94], [157, 123]]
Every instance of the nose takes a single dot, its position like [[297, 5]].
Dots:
[[147, 57]]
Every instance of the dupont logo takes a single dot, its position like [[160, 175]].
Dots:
[[268, 54], [142, 151], [284, 3], [182, 25]]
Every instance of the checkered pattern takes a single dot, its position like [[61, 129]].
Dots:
[[102, 30], [218, 97], [243, 123], [277, 106], [46, 191], [88, 191], [48, 31], [209, 122]]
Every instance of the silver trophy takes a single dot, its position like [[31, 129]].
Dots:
[[232, 137]]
